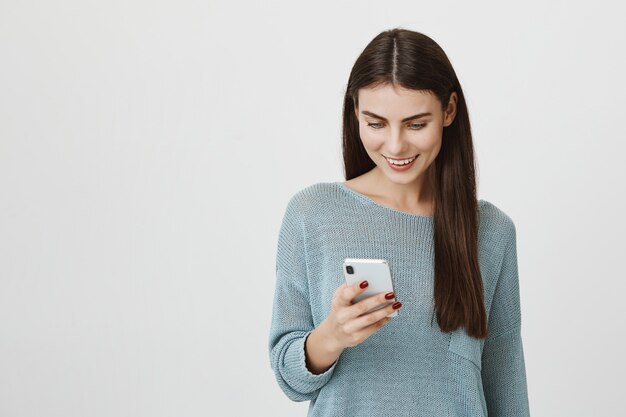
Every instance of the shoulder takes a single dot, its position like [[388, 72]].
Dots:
[[306, 201], [313, 204], [301, 206], [495, 224]]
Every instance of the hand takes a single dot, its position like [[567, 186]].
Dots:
[[348, 324]]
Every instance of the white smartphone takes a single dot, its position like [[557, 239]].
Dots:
[[377, 274]]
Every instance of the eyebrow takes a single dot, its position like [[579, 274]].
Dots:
[[406, 119]]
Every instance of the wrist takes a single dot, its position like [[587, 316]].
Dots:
[[331, 344]]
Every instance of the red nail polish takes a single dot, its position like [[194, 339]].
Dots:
[[389, 295], [397, 305], [363, 284]]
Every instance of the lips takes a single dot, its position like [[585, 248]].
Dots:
[[400, 159], [411, 158], [402, 167]]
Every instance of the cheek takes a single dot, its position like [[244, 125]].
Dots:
[[431, 141], [371, 141], [432, 138]]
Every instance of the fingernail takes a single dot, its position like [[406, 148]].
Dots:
[[397, 305], [363, 284], [389, 295]]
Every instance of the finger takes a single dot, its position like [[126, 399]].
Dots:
[[372, 328], [339, 291], [369, 303], [373, 317], [347, 293]]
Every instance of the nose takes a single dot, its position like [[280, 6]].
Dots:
[[396, 142]]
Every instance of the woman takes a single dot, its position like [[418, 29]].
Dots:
[[455, 347]]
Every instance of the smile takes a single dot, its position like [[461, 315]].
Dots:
[[401, 162]]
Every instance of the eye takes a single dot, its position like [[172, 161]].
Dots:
[[375, 125], [412, 126]]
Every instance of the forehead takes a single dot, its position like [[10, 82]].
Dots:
[[396, 100]]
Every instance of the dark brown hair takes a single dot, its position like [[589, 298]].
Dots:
[[401, 57]]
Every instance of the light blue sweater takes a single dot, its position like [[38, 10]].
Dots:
[[408, 367]]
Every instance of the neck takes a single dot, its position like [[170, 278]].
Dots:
[[417, 193]]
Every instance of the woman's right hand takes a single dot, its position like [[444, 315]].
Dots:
[[348, 324]]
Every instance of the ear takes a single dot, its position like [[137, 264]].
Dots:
[[450, 112]]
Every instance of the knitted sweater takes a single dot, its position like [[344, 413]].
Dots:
[[409, 367]]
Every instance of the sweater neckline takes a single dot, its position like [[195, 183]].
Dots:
[[367, 200]]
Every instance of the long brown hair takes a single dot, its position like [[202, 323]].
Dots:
[[415, 61]]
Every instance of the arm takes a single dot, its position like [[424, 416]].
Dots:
[[292, 321], [503, 368], [319, 353]]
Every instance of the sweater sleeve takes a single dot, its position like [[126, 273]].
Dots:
[[503, 369], [292, 320]]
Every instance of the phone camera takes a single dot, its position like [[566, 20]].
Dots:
[[349, 269]]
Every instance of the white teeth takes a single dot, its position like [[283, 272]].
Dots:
[[400, 162]]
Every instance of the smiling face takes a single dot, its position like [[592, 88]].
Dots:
[[402, 124]]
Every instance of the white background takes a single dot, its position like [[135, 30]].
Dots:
[[148, 150]]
